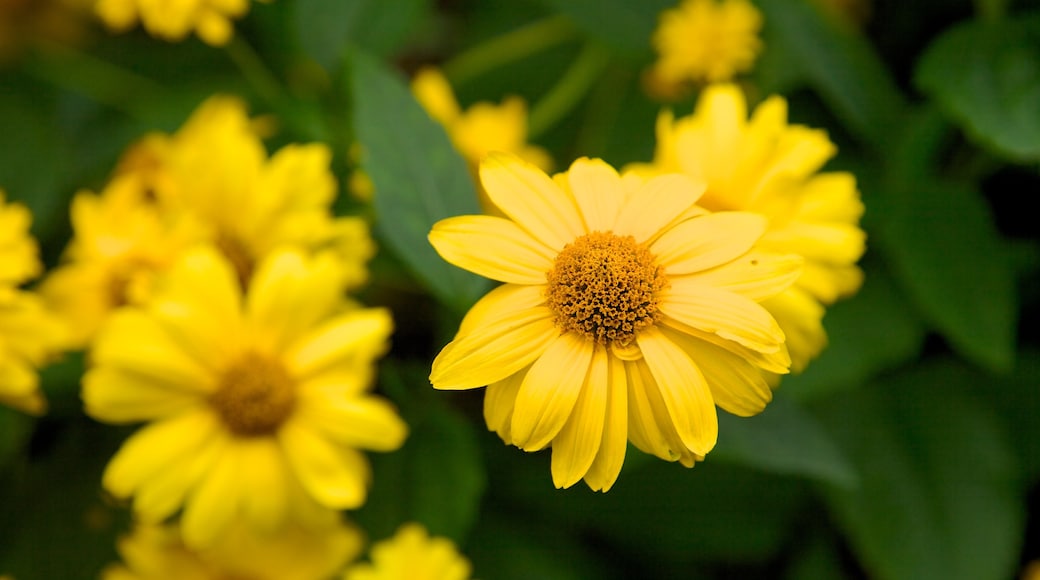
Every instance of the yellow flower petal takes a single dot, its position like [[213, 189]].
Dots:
[[723, 313], [708, 241], [801, 318], [150, 450], [211, 509], [499, 402], [334, 476], [501, 300], [496, 350], [684, 390], [778, 361], [492, 247], [755, 275], [606, 467], [645, 428], [358, 422], [549, 391], [655, 205], [345, 339], [574, 449], [436, 96], [528, 196], [736, 385], [597, 188], [119, 396], [164, 493], [265, 497]]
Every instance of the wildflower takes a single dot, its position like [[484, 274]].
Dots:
[[216, 170], [121, 242], [624, 314], [412, 555], [29, 333], [704, 41], [766, 166], [173, 21], [258, 403], [481, 129], [157, 552]]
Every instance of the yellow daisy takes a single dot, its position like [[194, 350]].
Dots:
[[481, 129], [216, 170], [766, 166], [120, 242], [173, 21], [157, 552], [625, 314], [704, 41], [412, 555], [259, 404], [30, 335]]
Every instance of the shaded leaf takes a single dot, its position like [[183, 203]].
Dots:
[[839, 64], [784, 439], [946, 252], [622, 25], [418, 176], [515, 549], [325, 28], [986, 75], [939, 494]]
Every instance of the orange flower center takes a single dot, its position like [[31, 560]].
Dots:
[[605, 286], [255, 396]]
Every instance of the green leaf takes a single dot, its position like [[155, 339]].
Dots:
[[939, 495], [784, 439], [622, 25], [514, 548], [437, 477], [839, 64], [986, 75], [15, 429], [1017, 398], [325, 28], [946, 252], [867, 334], [419, 178]]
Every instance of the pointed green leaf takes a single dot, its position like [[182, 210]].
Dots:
[[986, 75], [418, 176], [326, 27]]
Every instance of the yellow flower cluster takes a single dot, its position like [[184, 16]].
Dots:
[[30, 335], [412, 555], [703, 41], [173, 21]]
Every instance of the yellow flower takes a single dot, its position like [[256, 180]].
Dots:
[[29, 333], [216, 170], [704, 41], [258, 405], [173, 21], [157, 552], [120, 243], [624, 314], [412, 555], [766, 166], [481, 129]]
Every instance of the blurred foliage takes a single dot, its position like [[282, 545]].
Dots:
[[909, 449]]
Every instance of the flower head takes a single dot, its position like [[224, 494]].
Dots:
[[158, 552], [173, 21], [627, 313], [704, 41], [412, 555], [29, 333], [766, 166], [258, 403], [482, 128]]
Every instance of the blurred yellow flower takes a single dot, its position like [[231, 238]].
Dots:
[[157, 552], [258, 402], [173, 21], [412, 555], [216, 170], [625, 314], [766, 166], [704, 41], [481, 129], [120, 242], [30, 335]]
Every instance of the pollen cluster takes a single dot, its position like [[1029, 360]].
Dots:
[[255, 395], [605, 286]]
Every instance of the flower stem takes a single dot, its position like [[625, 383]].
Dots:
[[255, 71], [569, 91], [507, 48]]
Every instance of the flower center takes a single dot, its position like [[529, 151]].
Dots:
[[605, 287], [256, 394]]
